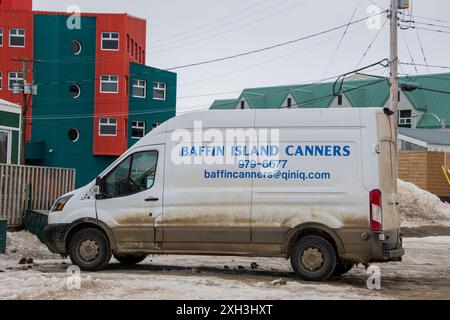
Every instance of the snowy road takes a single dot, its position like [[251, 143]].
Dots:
[[424, 274]]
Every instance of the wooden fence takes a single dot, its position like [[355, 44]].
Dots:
[[424, 169], [26, 187]]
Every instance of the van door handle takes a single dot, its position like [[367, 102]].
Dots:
[[151, 199]]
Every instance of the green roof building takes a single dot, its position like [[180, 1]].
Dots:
[[424, 101], [9, 132]]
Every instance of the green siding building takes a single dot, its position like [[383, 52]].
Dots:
[[78, 121], [9, 133]]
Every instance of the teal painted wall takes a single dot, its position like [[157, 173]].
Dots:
[[53, 46], [148, 109]]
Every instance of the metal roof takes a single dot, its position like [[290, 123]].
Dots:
[[430, 136], [427, 93]]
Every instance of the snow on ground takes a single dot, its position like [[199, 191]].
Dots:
[[421, 208], [425, 273]]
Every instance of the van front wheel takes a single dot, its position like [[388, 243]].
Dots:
[[90, 250], [313, 258]]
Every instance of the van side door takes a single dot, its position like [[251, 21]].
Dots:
[[132, 194]]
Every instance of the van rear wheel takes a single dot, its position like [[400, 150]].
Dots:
[[313, 258], [130, 259], [90, 250]]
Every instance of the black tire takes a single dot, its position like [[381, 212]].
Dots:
[[313, 258], [90, 250], [130, 259], [342, 267]]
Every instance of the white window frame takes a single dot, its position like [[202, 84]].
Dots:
[[404, 121], [17, 36], [109, 81], [133, 126], [1, 80], [2, 36], [141, 84], [109, 38], [16, 78], [158, 84], [108, 124]]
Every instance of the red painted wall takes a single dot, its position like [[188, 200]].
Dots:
[[116, 63], [16, 4], [23, 20]]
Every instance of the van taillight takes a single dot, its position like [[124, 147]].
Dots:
[[376, 211]]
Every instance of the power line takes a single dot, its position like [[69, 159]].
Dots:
[[228, 31], [211, 23], [272, 46], [246, 53], [341, 40], [423, 51], [425, 65], [410, 53], [162, 110], [433, 30], [371, 44], [428, 18]]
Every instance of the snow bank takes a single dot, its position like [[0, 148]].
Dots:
[[420, 207], [25, 244]]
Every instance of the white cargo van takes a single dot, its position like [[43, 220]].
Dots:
[[316, 186]]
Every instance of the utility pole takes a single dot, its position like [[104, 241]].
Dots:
[[393, 98], [26, 90]]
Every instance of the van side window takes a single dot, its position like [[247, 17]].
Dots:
[[135, 174]]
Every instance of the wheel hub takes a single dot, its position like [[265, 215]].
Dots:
[[312, 259], [88, 250]]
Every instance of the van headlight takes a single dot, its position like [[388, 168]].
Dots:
[[60, 203]]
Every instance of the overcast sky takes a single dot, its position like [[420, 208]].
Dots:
[[180, 32]]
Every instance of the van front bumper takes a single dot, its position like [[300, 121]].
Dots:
[[364, 246], [55, 238]]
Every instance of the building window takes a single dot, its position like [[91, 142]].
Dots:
[[109, 84], [13, 78], [399, 97], [139, 88], [75, 91], [74, 135], [76, 47], [136, 50], [242, 105], [137, 129], [108, 127], [1, 80], [17, 38], [155, 125], [1, 37], [132, 48], [110, 41], [405, 118], [289, 103], [159, 91], [128, 43], [5, 147], [340, 100]]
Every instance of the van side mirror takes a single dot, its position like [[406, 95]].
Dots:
[[98, 188]]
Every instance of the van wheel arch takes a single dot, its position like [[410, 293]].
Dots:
[[90, 223], [309, 229]]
